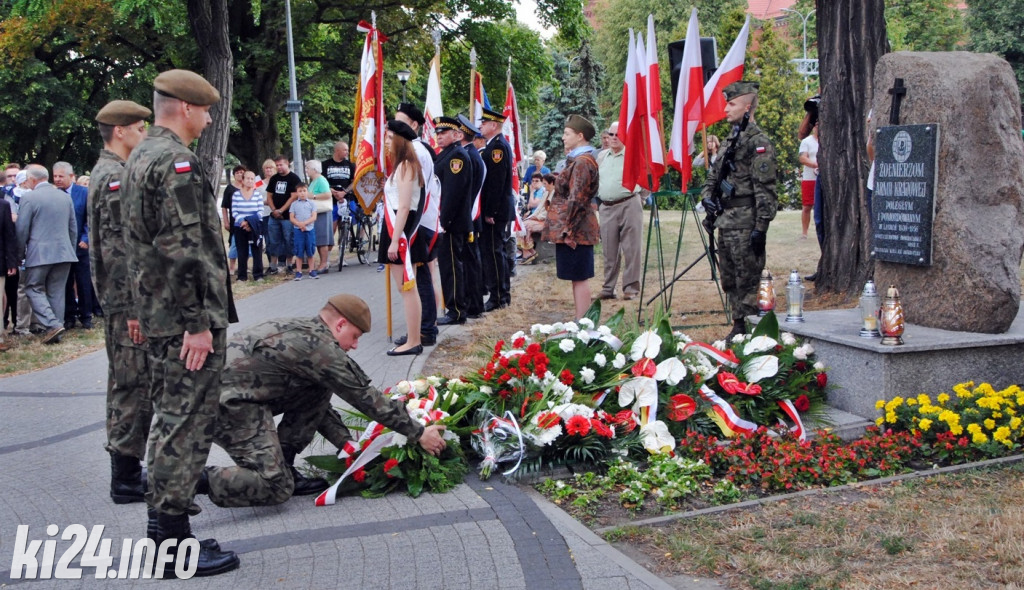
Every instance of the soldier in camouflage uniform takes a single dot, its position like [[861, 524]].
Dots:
[[743, 224], [292, 367], [180, 289], [129, 402]]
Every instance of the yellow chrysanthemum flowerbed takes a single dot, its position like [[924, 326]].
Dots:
[[974, 422]]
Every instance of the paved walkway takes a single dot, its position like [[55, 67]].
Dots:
[[481, 535]]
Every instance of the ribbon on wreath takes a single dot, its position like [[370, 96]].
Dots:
[[408, 274], [371, 452], [791, 411]]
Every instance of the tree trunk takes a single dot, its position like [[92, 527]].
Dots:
[[851, 39], [209, 19]]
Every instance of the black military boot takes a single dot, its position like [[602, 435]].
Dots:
[[210, 561], [126, 482], [738, 327], [151, 526], [304, 486]]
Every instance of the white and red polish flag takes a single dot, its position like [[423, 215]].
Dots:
[[633, 113], [432, 107], [689, 103], [512, 131], [370, 124], [655, 134], [730, 70]]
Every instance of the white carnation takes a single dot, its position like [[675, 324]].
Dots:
[[399, 440], [819, 367], [788, 339], [587, 374], [586, 323], [800, 353], [518, 335], [604, 330], [583, 336], [719, 344], [600, 360], [619, 362], [567, 345], [571, 327]]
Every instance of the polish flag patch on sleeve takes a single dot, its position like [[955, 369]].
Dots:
[[115, 185], [182, 167], [761, 149]]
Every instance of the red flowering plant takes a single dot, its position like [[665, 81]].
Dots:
[[382, 461]]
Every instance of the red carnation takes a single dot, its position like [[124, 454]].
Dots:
[[389, 465], [822, 379], [518, 342], [681, 407], [566, 377], [644, 367], [548, 419], [577, 425], [802, 403], [359, 475]]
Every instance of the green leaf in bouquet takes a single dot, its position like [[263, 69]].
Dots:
[[668, 341], [329, 463], [768, 326], [614, 321], [414, 483], [594, 312]]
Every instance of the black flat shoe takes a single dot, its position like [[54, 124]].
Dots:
[[448, 321], [415, 350]]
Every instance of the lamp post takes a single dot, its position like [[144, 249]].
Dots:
[[293, 105], [403, 77], [804, 18]]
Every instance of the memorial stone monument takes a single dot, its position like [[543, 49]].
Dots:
[[951, 237]]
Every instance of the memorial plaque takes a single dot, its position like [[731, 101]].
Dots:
[[903, 203]]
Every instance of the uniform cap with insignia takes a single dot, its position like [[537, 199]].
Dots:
[[489, 115], [581, 125], [467, 126], [186, 86], [122, 112], [353, 309], [412, 111], [740, 88], [401, 129], [446, 123]]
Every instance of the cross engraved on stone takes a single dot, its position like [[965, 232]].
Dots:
[[898, 91]]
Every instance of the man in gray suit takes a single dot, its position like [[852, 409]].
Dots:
[[47, 234]]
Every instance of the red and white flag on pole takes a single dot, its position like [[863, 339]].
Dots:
[[656, 149], [432, 107], [369, 121], [633, 114], [730, 70], [478, 100], [512, 131], [689, 103]]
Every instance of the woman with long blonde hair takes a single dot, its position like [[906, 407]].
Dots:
[[403, 202]]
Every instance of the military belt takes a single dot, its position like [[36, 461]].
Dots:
[[735, 203]]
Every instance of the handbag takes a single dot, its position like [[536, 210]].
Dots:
[[323, 206]]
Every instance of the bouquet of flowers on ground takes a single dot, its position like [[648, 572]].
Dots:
[[382, 460]]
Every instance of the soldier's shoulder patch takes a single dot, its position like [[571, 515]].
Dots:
[[764, 166], [761, 149], [497, 155], [183, 167], [455, 165], [114, 185]]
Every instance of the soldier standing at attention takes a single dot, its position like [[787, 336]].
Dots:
[[122, 125], [748, 202], [180, 288]]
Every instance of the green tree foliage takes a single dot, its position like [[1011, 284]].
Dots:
[[780, 108], [995, 28], [573, 89], [925, 25]]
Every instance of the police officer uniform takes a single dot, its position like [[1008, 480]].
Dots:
[[455, 172], [743, 224], [496, 203], [471, 264]]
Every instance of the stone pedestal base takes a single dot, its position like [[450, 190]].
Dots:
[[861, 371]]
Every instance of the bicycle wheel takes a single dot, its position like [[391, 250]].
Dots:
[[365, 243], [343, 229]]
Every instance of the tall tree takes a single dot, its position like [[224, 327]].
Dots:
[[851, 39], [209, 19], [924, 25], [574, 89], [995, 28]]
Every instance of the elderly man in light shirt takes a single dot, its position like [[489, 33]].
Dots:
[[621, 213]]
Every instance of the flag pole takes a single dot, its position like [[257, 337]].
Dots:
[[472, 83], [387, 267]]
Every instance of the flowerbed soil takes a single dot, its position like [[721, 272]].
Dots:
[[949, 531], [608, 511]]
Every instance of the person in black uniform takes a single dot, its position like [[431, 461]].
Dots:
[[454, 171], [496, 208], [471, 260]]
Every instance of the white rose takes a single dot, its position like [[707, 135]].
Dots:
[[587, 374], [619, 362], [434, 380], [808, 348], [403, 387], [799, 353], [420, 386], [600, 360], [567, 345], [486, 389], [819, 367], [788, 339]]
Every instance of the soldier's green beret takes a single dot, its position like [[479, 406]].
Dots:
[[122, 112], [740, 88], [352, 309], [581, 125], [186, 86]]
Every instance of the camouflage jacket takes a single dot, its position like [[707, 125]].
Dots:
[[107, 250], [173, 238], [297, 357], [753, 176], [571, 210]]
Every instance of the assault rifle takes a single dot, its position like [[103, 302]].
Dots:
[[713, 204]]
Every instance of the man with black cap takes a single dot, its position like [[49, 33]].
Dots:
[[181, 296], [748, 202], [497, 209], [471, 261], [122, 126], [293, 367], [455, 173]]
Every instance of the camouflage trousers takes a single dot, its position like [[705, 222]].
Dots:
[[129, 390], [185, 410], [261, 476], [740, 270]]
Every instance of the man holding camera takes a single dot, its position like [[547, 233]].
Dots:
[[740, 199]]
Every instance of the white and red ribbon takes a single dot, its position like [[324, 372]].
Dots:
[[408, 274]]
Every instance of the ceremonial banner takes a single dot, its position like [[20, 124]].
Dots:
[[478, 99], [432, 107], [731, 70], [512, 131], [630, 132], [370, 124], [655, 143], [689, 103]]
